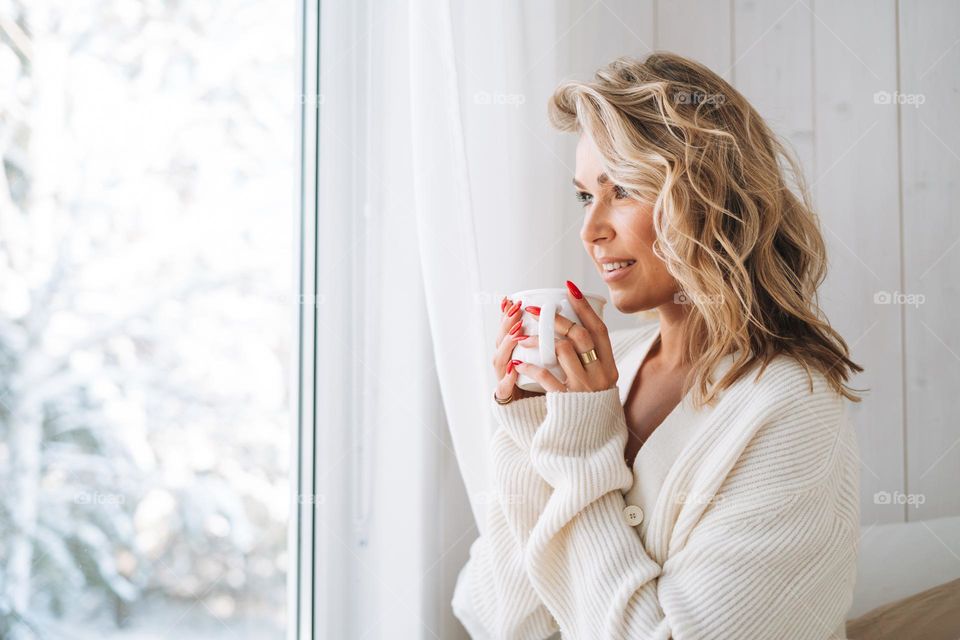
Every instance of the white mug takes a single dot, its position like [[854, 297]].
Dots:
[[551, 301]]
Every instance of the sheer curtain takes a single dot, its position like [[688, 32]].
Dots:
[[443, 107]]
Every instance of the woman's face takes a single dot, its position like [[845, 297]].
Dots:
[[618, 228]]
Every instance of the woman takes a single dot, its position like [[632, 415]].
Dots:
[[712, 491]]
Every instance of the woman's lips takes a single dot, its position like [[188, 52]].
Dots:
[[619, 274]]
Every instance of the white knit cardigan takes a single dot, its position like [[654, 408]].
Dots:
[[748, 514]]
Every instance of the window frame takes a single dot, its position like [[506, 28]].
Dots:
[[302, 578]]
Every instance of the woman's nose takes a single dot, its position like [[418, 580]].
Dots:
[[595, 225]]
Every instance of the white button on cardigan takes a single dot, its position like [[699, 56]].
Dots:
[[633, 515]]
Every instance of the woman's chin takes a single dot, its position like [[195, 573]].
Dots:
[[626, 301]]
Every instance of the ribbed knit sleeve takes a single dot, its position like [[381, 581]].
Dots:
[[493, 597], [771, 553]]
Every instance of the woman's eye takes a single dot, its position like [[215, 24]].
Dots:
[[585, 198]]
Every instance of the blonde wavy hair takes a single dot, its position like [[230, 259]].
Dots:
[[745, 249]]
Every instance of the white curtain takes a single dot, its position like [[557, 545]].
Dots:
[[459, 165]]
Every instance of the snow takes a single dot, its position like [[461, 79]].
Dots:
[[145, 317]]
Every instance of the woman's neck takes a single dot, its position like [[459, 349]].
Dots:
[[667, 351]]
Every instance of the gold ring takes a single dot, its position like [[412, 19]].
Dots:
[[568, 329], [588, 356]]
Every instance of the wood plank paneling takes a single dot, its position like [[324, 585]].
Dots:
[[696, 29], [773, 67], [856, 191], [930, 87], [611, 29]]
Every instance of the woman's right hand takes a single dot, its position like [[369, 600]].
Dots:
[[503, 366]]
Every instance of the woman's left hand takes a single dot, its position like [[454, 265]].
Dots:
[[572, 339]]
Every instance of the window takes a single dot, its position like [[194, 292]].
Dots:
[[148, 317]]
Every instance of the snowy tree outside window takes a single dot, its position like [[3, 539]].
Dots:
[[147, 300]]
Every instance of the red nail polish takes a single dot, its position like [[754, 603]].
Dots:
[[512, 364], [520, 337], [573, 289], [532, 309], [514, 308], [503, 304], [516, 327]]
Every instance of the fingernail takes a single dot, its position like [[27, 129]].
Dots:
[[520, 337], [514, 308], [516, 327], [512, 364], [532, 309], [503, 304], [573, 289]]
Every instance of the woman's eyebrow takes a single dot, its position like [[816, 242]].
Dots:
[[601, 179]]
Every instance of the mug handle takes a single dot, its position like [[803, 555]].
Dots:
[[548, 352]]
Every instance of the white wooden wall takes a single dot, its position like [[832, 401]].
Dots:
[[884, 177]]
